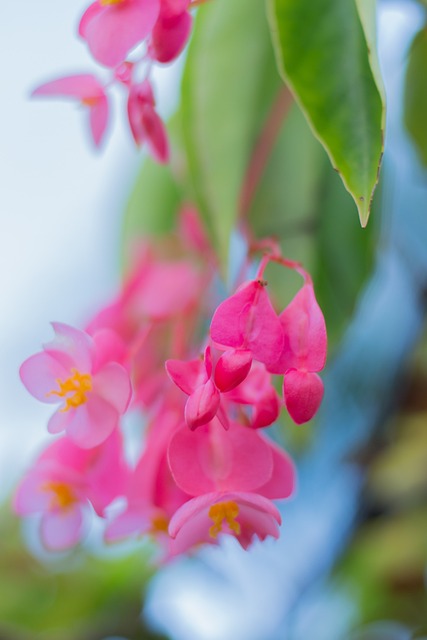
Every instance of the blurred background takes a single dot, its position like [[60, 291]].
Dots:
[[352, 558]]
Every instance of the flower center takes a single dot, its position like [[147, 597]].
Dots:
[[105, 3], [90, 101], [221, 511], [159, 524], [73, 389], [62, 495]]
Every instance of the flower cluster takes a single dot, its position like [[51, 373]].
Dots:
[[207, 467], [127, 37]]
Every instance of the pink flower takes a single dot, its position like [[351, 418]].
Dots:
[[74, 371], [240, 514], [248, 321], [89, 91], [62, 483], [146, 125], [303, 354], [113, 27]]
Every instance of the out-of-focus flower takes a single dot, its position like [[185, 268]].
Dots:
[[74, 371], [88, 90], [145, 123]]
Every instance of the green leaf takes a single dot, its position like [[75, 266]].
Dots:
[[415, 108], [229, 83], [323, 55]]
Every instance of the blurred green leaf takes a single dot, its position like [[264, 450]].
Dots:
[[415, 106], [323, 55], [229, 83]]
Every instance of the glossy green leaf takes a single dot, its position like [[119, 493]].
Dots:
[[230, 81], [416, 94], [323, 55]]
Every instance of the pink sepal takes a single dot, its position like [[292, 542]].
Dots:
[[214, 459], [282, 482], [247, 320], [187, 375], [303, 393]]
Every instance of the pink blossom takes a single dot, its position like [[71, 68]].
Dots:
[[73, 371], [303, 354], [112, 28], [146, 125], [87, 89], [62, 483], [240, 514], [247, 320]]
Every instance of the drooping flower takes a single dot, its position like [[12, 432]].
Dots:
[[112, 28], [206, 517], [74, 371], [303, 354], [171, 31], [62, 483], [86, 89], [145, 123]]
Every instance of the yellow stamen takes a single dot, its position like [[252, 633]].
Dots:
[[78, 384], [90, 101], [62, 497], [221, 511], [105, 3], [159, 524]]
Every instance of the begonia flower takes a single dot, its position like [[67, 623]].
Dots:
[[145, 123], [303, 354], [205, 518], [171, 31], [87, 89], [247, 320], [112, 28], [72, 371], [62, 483]]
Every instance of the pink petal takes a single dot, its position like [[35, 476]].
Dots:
[[155, 134], [73, 343], [61, 529], [186, 375], [266, 410], [106, 474], [247, 320], [91, 12], [59, 421], [78, 86], [305, 334], [214, 459], [98, 117], [232, 368], [40, 373], [112, 32], [112, 383], [134, 520], [282, 481], [29, 496], [170, 8], [202, 405], [92, 422], [109, 347], [303, 393], [170, 36]]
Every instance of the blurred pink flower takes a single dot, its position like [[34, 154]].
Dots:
[[75, 371], [146, 125], [87, 89]]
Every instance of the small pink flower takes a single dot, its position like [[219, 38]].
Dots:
[[62, 483], [303, 354], [73, 371], [146, 125], [240, 514], [87, 89], [112, 28]]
